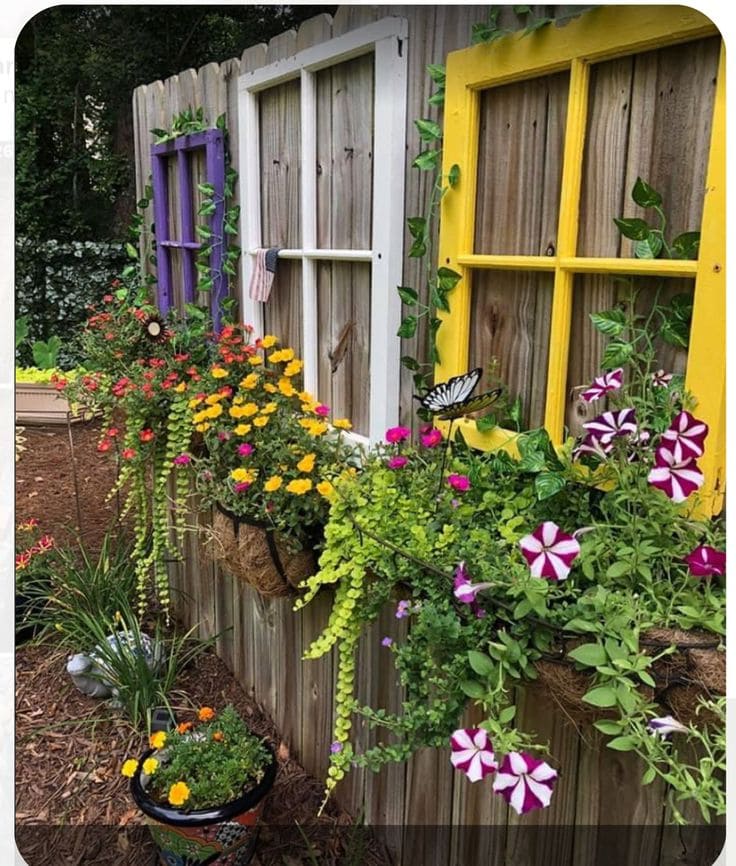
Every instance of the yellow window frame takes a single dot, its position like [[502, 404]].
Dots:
[[598, 35]]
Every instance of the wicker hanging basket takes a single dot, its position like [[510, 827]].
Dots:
[[253, 553]]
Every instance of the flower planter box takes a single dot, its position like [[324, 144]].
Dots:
[[40, 403]]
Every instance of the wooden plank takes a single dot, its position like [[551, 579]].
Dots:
[[428, 808], [695, 844], [316, 698]]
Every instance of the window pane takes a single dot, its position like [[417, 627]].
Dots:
[[509, 325], [282, 315], [650, 116], [522, 128]]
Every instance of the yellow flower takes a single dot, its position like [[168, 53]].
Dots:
[[342, 424], [255, 360], [273, 483], [293, 367], [181, 387], [250, 381], [149, 766], [218, 372], [269, 408], [178, 793], [202, 428], [308, 407], [195, 401], [287, 354], [316, 428], [325, 488], [299, 486], [237, 401], [214, 411], [306, 397], [242, 429], [286, 388], [306, 464], [241, 474], [200, 416], [157, 740], [213, 398], [269, 388], [260, 421], [268, 341], [276, 357], [129, 768]]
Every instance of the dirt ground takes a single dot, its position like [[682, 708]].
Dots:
[[72, 804]]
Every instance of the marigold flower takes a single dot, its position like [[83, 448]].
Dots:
[[129, 768], [179, 794], [299, 486], [149, 766], [325, 488], [306, 464], [273, 483], [183, 727], [157, 740], [206, 714], [342, 424], [218, 736]]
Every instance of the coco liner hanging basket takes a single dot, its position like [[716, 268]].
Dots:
[[254, 553], [221, 836]]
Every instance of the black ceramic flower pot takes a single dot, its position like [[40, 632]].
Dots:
[[222, 836]]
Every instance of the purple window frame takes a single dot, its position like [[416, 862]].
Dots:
[[213, 143]]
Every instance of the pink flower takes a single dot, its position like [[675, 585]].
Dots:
[[128, 453], [472, 753], [592, 445], [660, 379], [603, 384], [245, 449], [465, 591], [524, 782], [105, 445], [549, 551], [607, 426], [397, 462], [146, 435], [431, 438], [676, 479], [685, 437], [182, 460], [397, 434], [403, 609], [459, 482], [241, 486], [706, 561], [322, 410]]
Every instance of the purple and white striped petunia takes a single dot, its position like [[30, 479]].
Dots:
[[472, 752], [603, 384], [611, 424], [665, 726], [685, 437], [677, 480], [660, 379], [592, 445], [706, 561], [465, 591], [549, 551], [525, 782]]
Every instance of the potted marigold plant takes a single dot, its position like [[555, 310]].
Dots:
[[202, 787], [271, 450]]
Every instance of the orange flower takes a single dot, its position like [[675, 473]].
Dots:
[[184, 727], [218, 736], [157, 740], [178, 793], [206, 714]]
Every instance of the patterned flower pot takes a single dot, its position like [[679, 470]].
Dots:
[[222, 836]]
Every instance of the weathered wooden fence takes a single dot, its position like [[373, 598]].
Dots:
[[429, 813]]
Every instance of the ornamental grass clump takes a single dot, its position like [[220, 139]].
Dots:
[[202, 765], [271, 447]]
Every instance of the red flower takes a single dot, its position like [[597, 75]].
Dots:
[[112, 432], [107, 299], [181, 357], [146, 435], [128, 453], [104, 445]]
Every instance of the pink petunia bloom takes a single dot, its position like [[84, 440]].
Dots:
[[431, 438], [241, 486], [609, 425], [182, 460], [676, 479], [660, 379], [525, 782], [397, 434], [549, 551], [245, 449], [397, 462], [322, 410], [464, 590], [472, 752], [592, 445], [603, 384], [685, 437], [706, 561], [459, 482]]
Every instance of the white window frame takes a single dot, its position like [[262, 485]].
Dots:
[[387, 39]]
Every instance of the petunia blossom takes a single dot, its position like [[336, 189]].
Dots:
[[472, 753], [685, 437], [387, 641], [549, 551], [665, 726], [603, 384], [676, 479], [706, 561], [403, 609], [660, 379], [397, 434], [592, 445], [609, 425], [464, 590], [525, 782]]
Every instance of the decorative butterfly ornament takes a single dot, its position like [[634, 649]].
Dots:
[[451, 399]]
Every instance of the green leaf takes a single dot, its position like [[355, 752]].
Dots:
[[686, 245], [625, 697], [609, 322], [675, 332], [408, 327], [453, 176], [448, 278], [649, 248], [486, 423], [647, 678], [580, 625], [437, 98], [429, 130], [206, 188], [473, 689], [618, 569], [547, 484], [481, 663], [622, 744], [418, 249], [408, 295], [439, 300], [535, 25], [601, 696], [160, 133], [131, 251], [616, 354], [589, 654], [649, 775], [417, 226], [608, 726], [427, 160], [522, 10], [21, 330], [437, 73], [645, 195], [633, 228], [410, 363], [507, 714]]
